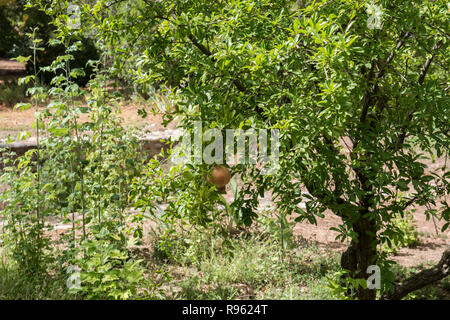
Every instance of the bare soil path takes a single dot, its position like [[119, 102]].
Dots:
[[14, 121]]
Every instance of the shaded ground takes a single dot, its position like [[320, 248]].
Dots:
[[430, 248]]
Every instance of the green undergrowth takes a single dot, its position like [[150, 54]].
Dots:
[[16, 285]]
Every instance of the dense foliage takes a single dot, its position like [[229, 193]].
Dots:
[[359, 107], [16, 19]]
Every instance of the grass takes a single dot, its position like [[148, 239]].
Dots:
[[203, 265], [14, 285], [254, 266], [248, 266]]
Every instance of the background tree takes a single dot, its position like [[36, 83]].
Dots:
[[8, 33], [17, 19]]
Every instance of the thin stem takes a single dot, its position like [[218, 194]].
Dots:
[[72, 169], [38, 166], [100, 169], [78, 147]]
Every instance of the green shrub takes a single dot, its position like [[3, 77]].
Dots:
[[78, 176], [11, 93], [108, 272], [405, 234]]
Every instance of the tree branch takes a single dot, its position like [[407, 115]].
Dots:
[[238, 84], [401, 138], [421, 279], [427, 64], [367, 95]]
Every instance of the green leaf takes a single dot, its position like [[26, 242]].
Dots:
[[21, 59], [22, 106]]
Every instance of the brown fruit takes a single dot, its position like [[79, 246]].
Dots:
[[219, 176]]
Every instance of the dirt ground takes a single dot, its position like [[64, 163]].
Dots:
[[432, 242], [14, 121]]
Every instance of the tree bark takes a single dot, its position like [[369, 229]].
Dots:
[[366, 254], [360, 255]]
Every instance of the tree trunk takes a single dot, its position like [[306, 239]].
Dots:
[[365, 255], [360, 255]]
